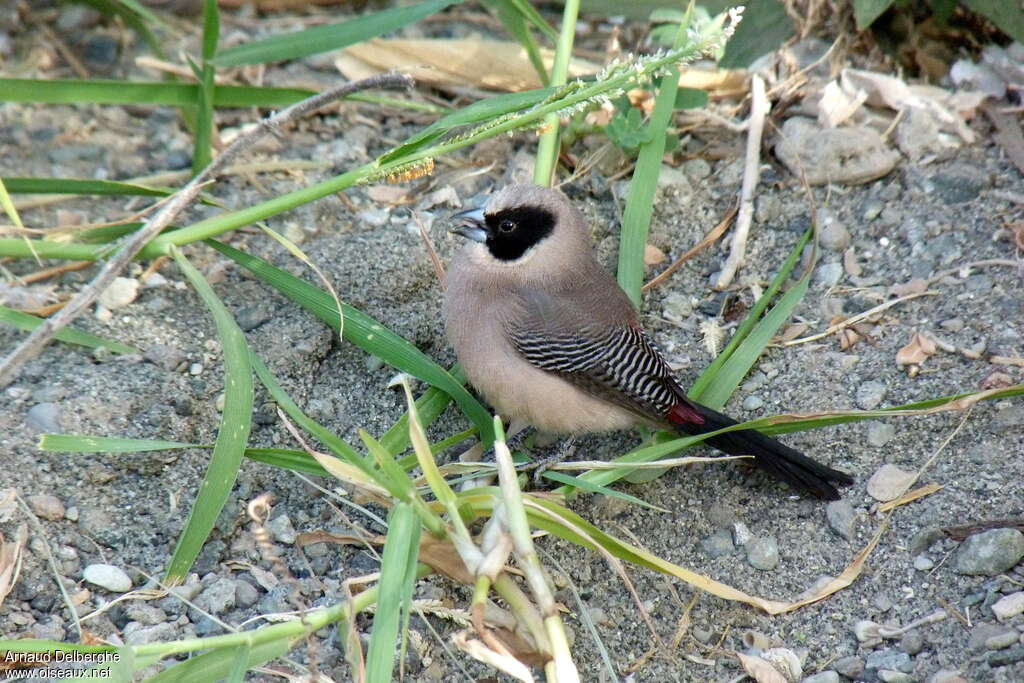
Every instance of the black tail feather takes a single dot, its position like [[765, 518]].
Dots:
[[772, 456]]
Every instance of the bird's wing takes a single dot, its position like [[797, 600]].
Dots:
[[615, 362]]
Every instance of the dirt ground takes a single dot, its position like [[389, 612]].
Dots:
[[920, 220]]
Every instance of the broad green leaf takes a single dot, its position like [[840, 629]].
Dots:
[[27, 322], [591, 487], [232, 435], [319, 39], [218, 664], [691, 98], [510, 14], [75, 443], [1007, 15], [766, 25], [866, 11], [80, 186], [139, 18]]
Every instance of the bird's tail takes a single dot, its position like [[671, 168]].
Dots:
[[772, 456]]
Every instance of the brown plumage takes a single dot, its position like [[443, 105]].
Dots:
[[548, 337]]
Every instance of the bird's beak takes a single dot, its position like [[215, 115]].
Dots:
[[471, 224]]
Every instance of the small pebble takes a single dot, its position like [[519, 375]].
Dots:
[[990, 553], [752, 402], [946, 676], [882, 602], [880, 433], [218, 597], [121, 292], [44, 418], [281, 529], [923, 563], [1002, 640], [912, 642], [849, 667], [840, 516], [890, 676], [46, 506], [952, 325], [1008, 607], [832, 234], [870, 395], [829, 274], [763, 553], [873, 209], [1006, 657], [888, 482], [246, 594], [823, 677], [196, 369], [717, 544], [890, 660], [741, 534], [108, 576]]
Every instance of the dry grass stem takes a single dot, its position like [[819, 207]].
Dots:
[[708, 240]]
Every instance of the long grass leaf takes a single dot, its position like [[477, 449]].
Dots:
[[232, 435], [79, 186], [511, 16], [397, 576], [77, 443], [366, 333], [27, 322], [218, 664], [319, 39]]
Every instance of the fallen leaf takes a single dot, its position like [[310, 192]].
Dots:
[[917, 351], [652, 255], [487, 64], [910, 496]]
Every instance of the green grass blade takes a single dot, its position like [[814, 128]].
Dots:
[[340, 447], [397, 577], [430, 406], [219, 664], [706, 378], [287, 459], [366, 333], [211, 29], [79, 186], [636, 219], [232, 435], [76, 443], [390, 475], [26, 322], [136, 16], [510, 14], [585, 485], [319, 39], [100, 91], [202, 149]]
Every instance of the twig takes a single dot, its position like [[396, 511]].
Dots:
[[34, 343], [853, 320], [759, 108], [708, 240]]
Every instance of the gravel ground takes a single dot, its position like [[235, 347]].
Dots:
[[920, 221]]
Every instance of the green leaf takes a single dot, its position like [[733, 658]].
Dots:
[[511, 14], [765, 26], [211, 29], [138, 17], [80, 186], [232, 435], [99, 91], [397, 577], [319, 39], [866, 11], [75, 443], [429, 406], [691, 98], [1008, 16], [219, 664], [366, 333], [27, 322], [586, 485]]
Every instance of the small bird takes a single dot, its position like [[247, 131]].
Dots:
[[548, 337]]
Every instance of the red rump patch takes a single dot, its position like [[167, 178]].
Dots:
[[681, 413]]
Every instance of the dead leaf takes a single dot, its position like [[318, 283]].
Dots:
[[910, 496], [760, 670], [997, 379], [794, 331], [501, 661], [915, 352], [653, 256], [487, 64], [10, 560]]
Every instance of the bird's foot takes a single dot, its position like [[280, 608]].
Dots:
[[562, 452]]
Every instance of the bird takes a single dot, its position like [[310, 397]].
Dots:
[[546, 335]]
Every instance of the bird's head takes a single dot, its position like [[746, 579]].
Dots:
[[523, 223]]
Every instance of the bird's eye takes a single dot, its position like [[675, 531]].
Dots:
[[506, 226]]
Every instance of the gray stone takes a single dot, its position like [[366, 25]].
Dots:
[[1008, 607], [121, 292], [145, 613], [840, 516], [832, 234], [66, 153], [982, 633], [718, 544], [890, 659], [1006, 657], [1011, 417], [251, 317], [823, 677], [923, 563], [246, 594], [281, 529], [753, 402], [44, 418], [100, 52], [763, 553], [872, 209], [880, 433], [828, 274], [952, 324], [888, 482], [218, 597], [912, 642], [136, 634], [870, 394], [849, 156], [990, 552], [1001, 641], [925, 539], [890, 676], [108, 577], [849, 667]]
